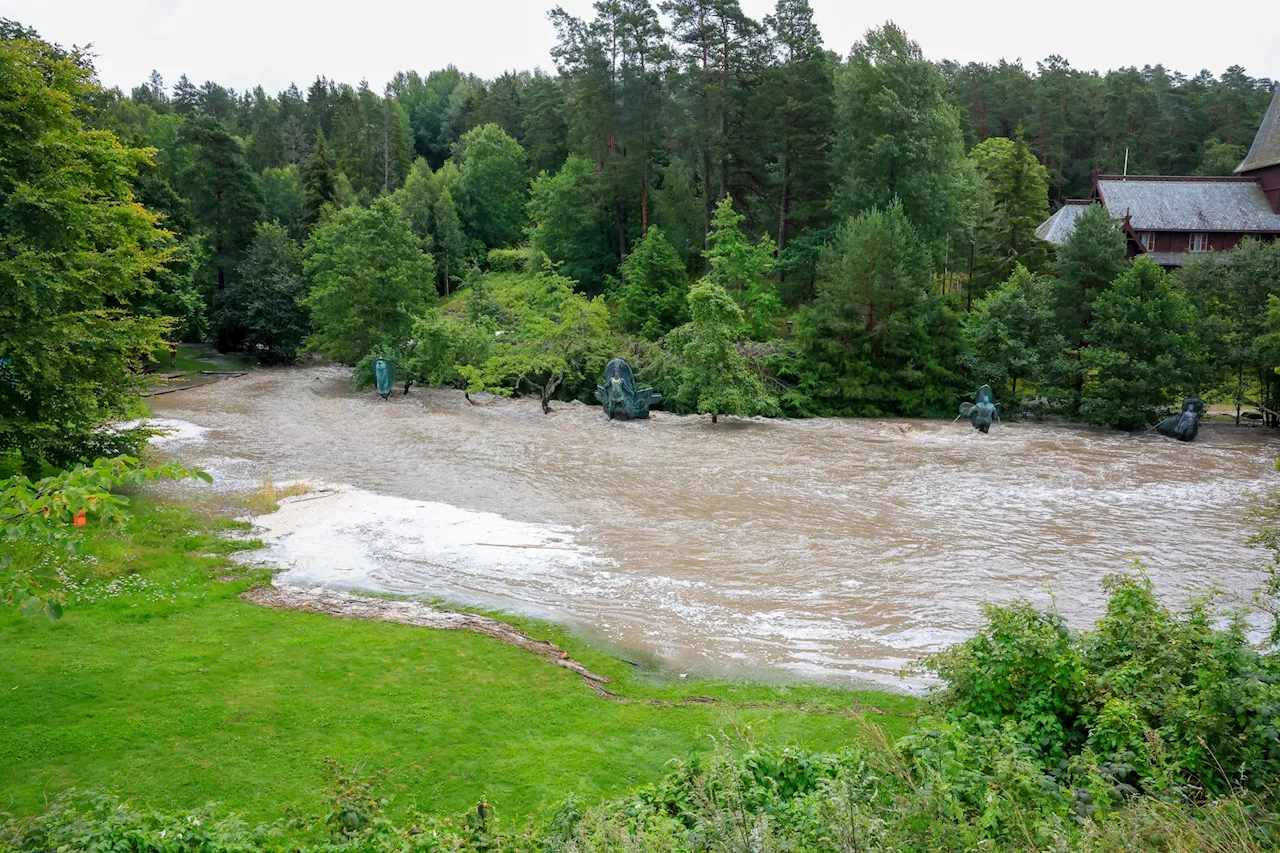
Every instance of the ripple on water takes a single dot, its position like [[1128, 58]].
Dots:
[[833, 548]]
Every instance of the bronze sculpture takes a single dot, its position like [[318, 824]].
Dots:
[[384, 375], [619, 395], [981, 412], [1184, 426]]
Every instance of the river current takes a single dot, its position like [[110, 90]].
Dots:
[[830, 549]]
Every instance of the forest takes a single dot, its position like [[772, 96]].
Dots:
[[759, 223]]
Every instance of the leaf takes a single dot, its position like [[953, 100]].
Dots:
[[30, 605], [53, 610]]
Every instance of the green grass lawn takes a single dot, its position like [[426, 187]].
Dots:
[[162, 686], [192, 358]]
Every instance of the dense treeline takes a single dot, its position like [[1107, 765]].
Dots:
[[763, 226]]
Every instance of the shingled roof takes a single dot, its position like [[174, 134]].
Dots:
[[1059, 226], [1265, 150], [1180, 204]]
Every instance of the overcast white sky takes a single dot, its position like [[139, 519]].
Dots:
[[242, 43]]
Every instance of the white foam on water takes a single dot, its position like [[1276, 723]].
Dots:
[[176, 431], [348, 538]]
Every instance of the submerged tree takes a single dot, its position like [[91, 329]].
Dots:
[[268, 294], [715, 378], [878, 339], [1143, 352]]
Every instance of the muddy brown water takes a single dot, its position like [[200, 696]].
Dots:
[[831, 549]]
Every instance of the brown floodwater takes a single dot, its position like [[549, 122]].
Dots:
[[832, 549]]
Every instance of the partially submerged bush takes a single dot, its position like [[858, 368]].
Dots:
[[1148, 700]]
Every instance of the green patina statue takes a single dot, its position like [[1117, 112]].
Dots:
[[1185, 426], [981, 412], [619, 395], [384, 375]]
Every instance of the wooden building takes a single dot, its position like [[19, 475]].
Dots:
[[1168, 217]]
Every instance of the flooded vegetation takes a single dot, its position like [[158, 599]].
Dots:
[[826, 548]]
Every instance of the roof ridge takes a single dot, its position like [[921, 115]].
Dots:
[[1265, 150], [1186, 179]]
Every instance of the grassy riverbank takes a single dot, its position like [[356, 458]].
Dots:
[[161, 685]]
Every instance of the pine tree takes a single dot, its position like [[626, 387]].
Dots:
[[899, 137], [803, 84]]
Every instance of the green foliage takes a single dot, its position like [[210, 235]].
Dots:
[[1013, 335], [510, 260], [443, 345], [547, 338], [283, 200], [1143, 352], [1221, 158], [450, 243], [1017, 201], [1147, 701], [43, 514], [370, 278], [898, 137], [225, 202], [653, 296], [268, 291], [742, 268], [1086, 264], [878, 339], [493, 187], [715, 378], [678, 212], [80, 259], [319, 181], [569, 226], [1232, 306]]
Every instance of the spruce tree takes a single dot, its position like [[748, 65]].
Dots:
[[1086, 264], [652, 298], [1143, 352], [742, 268], [450, 243], [225, 202], [319, 182], [715, 378]]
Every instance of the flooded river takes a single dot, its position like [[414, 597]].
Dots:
[[830, 549]]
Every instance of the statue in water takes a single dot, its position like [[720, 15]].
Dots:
[[619, 395], [1185, 426], [384, 375], [981, 412]]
